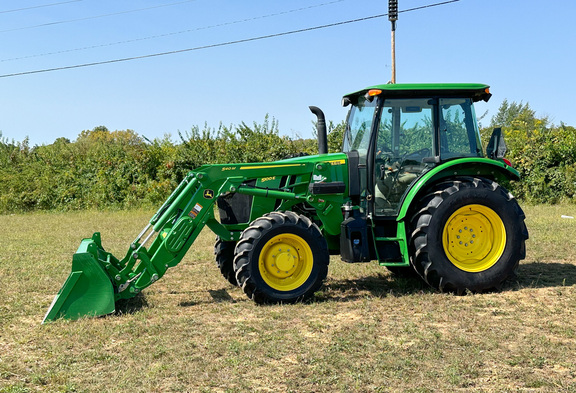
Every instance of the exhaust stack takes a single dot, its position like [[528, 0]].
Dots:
[[321, 129]]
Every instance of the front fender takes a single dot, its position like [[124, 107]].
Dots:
[[483, 167]]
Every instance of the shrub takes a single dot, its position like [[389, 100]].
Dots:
[[118, 169], [544, 155]]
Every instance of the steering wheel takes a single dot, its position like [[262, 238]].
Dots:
[[425, 152]]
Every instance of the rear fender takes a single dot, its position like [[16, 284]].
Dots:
[[483, 167]]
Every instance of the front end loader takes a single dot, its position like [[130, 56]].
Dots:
[[412, 189]]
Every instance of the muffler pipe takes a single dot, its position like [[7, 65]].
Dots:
[[321, 130]]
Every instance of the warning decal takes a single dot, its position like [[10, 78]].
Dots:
[[194, 212]]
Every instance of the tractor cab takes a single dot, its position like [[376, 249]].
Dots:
[[398, 132]]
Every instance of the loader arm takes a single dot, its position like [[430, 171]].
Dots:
[[99, 279]]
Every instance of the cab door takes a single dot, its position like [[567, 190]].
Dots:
[[404, 145]]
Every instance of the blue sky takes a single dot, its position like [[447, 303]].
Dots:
[[524, 49]]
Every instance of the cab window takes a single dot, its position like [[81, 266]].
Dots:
[[459, 136], [405, 138]]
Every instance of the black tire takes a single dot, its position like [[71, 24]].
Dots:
[[224, 252], [468, 234], [281, 258]]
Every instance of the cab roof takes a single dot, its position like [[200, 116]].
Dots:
[[476, 91]]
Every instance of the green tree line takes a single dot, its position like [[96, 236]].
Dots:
[[543, 153], [121, 169]]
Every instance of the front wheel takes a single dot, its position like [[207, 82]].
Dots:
[[224, 254], [468, 234], [281, 258]]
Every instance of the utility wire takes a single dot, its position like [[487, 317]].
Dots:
[[95, 16], [174, 33], [223, 43], [38, 6]]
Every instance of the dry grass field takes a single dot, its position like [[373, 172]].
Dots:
[[365, 331]]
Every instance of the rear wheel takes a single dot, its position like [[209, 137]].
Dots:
[[224, 252], [281, 257], [468, 234]]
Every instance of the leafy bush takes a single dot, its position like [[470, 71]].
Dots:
[[545, 155], [118, 169]]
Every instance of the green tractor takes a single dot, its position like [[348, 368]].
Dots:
[[412, 189]]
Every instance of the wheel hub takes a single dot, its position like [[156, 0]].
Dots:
[[282, 261], [474, 238], [285, 262]]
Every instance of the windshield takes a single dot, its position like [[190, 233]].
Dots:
[[359, 126], [357, 138]]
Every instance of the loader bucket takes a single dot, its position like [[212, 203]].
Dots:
[[88, 290]]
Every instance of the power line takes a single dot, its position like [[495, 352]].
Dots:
[[222, 43], [38, 6], [95, 16], [174, 33]]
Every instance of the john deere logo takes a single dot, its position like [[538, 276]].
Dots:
[[208, 194]]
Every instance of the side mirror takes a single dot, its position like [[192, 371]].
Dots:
[[497, 146]]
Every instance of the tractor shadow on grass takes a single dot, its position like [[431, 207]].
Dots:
[[132, 305], [380, 285], [221, 296], [217, 296], [530, 275], [139, 302], [543, 275]]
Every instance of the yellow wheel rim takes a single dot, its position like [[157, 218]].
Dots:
[[285, 262], [474, 238]]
